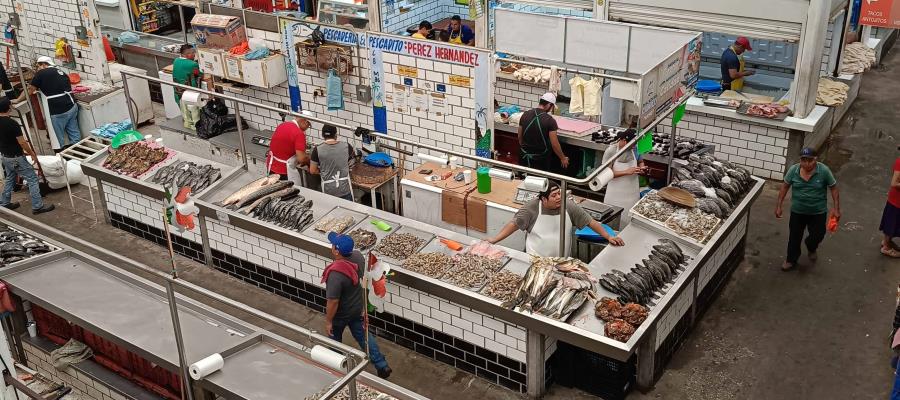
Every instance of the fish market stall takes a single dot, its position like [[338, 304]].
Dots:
[[117, 313], [133, 181]]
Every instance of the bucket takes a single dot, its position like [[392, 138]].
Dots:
[[483, 179]]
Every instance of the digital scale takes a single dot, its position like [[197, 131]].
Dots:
[[261, 140], [524, 195]]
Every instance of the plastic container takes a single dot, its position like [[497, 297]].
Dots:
[[483, 180]]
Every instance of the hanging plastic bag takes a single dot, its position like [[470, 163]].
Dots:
[[335, 95]]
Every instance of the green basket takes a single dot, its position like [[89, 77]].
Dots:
[[126, 137]]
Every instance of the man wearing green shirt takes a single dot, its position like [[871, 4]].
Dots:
[[186, 71], [809, 181]]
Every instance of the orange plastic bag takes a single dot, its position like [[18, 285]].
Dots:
[[832, 224]]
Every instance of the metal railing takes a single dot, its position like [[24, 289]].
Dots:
[[563, 179]]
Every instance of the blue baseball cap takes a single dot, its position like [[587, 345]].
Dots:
[[343, 243], [807, 152]]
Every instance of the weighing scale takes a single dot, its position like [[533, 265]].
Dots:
[[524, 195], [261, 140]]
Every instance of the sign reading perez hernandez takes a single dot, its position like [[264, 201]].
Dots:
[[881, 13], [422, 49]]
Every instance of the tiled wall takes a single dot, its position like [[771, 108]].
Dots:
[[523, 94], [141, 215], [432, 326], [84, 386], [44, 21], [394, 21], [760, 149], [826, 51]]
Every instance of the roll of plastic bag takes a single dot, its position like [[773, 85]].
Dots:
[[536, 183], [329, 358], [206, 366], [602, 179]]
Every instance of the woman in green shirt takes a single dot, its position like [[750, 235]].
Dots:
[[186, 71]]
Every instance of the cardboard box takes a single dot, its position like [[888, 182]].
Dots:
[[212, 61], [234, 68], [218, 31], [267, 72]]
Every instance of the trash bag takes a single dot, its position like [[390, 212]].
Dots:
[[212, 124]]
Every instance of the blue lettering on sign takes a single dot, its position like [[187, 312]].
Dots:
[[442, 88], [408, 81], [340, 36], [389, 44]]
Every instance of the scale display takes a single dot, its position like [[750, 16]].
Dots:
[[261, 140]]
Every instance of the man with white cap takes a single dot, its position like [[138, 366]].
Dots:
[[537, 137], [54, 84]]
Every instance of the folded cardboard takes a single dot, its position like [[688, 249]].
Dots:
[[218, 31]]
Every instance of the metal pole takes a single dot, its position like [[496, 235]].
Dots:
[[179, 342], [183, 26], [240, 130], [671, 154], [351, 363], [563, 229], [128, 100], [33, 118]]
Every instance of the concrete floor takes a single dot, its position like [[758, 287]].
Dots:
[[819, 332]]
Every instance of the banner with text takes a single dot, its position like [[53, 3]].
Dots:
[[881, 13]]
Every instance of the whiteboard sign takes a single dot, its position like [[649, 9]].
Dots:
[[530, 35], [597, 44]]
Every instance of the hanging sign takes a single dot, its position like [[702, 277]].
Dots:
[[430, 50], [411, 72], [881, 13]]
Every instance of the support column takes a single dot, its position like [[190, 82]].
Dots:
[[809, 60], [646, 361], [535, 362]]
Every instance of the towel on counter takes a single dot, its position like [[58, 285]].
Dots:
[[73, 352]]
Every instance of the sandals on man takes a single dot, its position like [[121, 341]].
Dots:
[[892, 252]]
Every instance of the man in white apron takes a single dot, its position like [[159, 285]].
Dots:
[[287, 151], [56, 89], [540, 219], [331, 160], [624, 189]]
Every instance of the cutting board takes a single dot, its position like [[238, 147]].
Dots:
[[748, 97]]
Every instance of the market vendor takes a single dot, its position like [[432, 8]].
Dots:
[[538, 137], [624, 189], [732, 64], [332, 160], [5, 84], [287, 150], [54, 84], [186, 71], [539, 218], [424, 31], [459, 33]]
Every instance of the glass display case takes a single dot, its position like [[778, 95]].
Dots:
[[344, 12]]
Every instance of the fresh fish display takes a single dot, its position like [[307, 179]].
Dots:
[[260, 193], [400, 245], [295, 213], [503, 286], [362, 393], [134, 159], [609, 309], [429, 264], [17, 246], [653, 207], [554, 287], [363, 239], [186, 173], [707, 177], [283, 194], [336, 224], [645, 281], [248, 189], [693, 223]]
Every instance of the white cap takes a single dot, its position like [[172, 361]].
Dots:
[[306, 113], [45, 60], [549, 97]]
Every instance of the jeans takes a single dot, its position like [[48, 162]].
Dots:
[[15, 167], [895, 392], [799, 223], [356, 329], [348, 197], [66, 123]]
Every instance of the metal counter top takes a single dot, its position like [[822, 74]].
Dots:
[[134, 312], [122, 307]]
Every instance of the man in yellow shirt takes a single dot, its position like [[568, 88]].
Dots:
[[424, 30]]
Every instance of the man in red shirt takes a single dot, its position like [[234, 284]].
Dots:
[[287, 151], [890, 219]]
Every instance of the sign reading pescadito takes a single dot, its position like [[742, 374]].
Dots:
[[880, 13]]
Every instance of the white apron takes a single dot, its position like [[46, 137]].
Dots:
[[336, 180], [293, 174], [623, 191], [543, 239], [54, 137]]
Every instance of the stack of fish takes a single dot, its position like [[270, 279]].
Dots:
[[272, 200], [17, 246], [643, 282], [134, 159], [186, 173], [554, 287], [718, 185]]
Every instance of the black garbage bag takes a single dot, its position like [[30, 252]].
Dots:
[[215, 120]]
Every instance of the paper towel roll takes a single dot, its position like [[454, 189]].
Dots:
[[602, 179], [328, 357], [536, 183], [191, 97], [501, 174], [426, 157], [206, 366]]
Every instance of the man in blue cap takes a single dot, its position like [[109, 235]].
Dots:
[[345, 306], [809, 180]]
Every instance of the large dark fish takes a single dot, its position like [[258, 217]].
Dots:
[[248, 189], [263, 191]]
